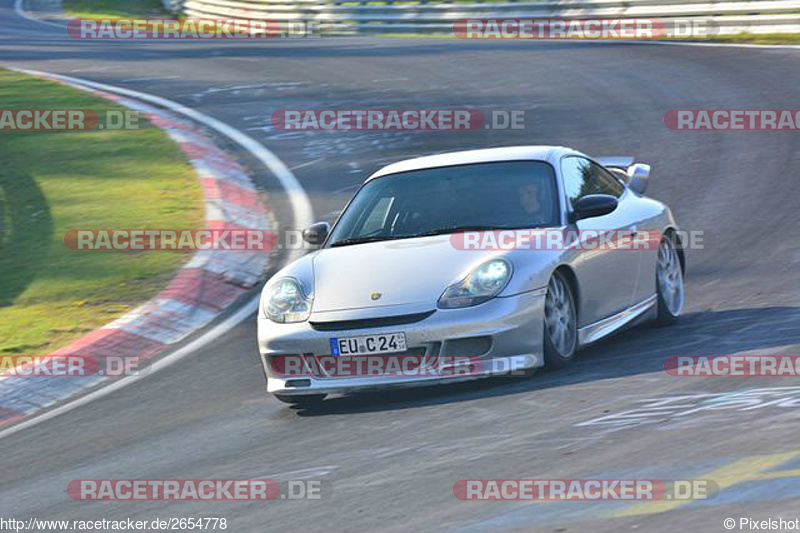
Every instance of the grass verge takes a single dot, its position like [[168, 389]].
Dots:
[[56, 181], [742, 38], [109, 9], [756, 38]]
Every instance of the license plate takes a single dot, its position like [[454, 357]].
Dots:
[[369, 344]]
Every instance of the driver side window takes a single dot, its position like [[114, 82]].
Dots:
[[376, 220], [582, 177]]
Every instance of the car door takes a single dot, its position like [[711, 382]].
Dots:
[[607, 277]]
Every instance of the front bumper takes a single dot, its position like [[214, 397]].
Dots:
[[509, 328]]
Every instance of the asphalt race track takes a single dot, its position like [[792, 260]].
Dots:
[[392, 459]]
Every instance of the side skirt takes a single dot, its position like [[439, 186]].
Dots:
[[602, 328]]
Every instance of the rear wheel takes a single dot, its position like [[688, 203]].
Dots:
[[560, 323], [669, 282], [309, 400]]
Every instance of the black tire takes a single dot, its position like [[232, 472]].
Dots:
[[309, 400], [664, 315], [263, 370], [554, 358]]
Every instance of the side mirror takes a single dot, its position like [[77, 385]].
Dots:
[[638, 177], [595, 205], [316, 233]]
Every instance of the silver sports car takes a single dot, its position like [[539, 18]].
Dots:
[[483, 261]]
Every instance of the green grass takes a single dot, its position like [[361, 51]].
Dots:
[[743, 38], [756, 38], [108, 9], [415, 35], [56, 181]]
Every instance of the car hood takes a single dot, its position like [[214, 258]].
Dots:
[[409, 273]]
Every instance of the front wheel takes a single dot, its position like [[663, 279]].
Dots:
[[669, 282], [560, 323], [309, 400]]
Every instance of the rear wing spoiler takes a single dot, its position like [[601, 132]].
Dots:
[[618, 161], [635, 175]]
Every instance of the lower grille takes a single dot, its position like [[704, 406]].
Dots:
[[366, 323], [411, 360]]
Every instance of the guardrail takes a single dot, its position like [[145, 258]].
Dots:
[[423, 16]]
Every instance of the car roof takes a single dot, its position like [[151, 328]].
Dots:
[[486, 155]]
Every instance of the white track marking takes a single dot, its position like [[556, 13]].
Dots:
[[298, 200], [733, 45], [300, 204], [160, 364], [308, 163], [20, 9], [153, 78]]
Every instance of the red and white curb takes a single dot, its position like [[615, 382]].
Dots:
[[210, 282]]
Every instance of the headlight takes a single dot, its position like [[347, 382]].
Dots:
[[285, 302], [482, 284]]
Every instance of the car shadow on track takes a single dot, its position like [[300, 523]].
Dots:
[[638, 350]]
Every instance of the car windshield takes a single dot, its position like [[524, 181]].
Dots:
[[436, 201]]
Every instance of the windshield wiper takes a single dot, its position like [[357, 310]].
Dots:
[[371, 238], [429, 233]]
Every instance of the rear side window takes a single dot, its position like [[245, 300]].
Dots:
[[583, 177]]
